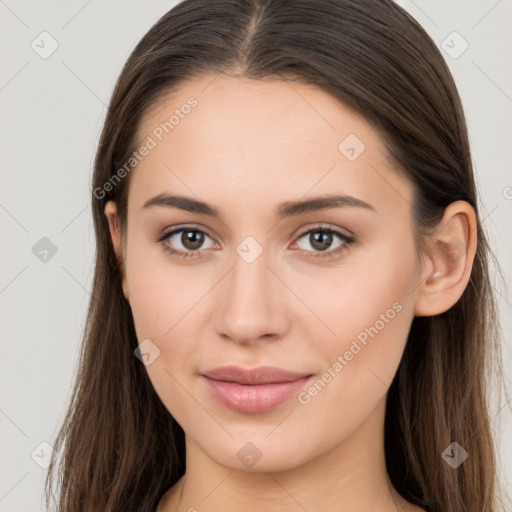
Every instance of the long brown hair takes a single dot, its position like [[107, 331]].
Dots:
[[120, 447]]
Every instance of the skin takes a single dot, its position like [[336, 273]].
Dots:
[[245, 148]]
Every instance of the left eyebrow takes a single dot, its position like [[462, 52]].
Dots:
[[286, 209], [292, 208]]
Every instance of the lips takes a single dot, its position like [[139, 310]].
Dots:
[[253, 390], [260, 375]]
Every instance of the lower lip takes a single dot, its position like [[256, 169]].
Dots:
[[256, 398]]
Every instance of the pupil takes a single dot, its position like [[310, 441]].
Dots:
[[321, 240], [192, 239]]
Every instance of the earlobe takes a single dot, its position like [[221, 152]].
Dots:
[[452, 252], [117, 242]]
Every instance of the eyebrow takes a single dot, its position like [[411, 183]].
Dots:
[[286, 209]]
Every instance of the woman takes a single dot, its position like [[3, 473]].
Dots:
[[291, 306]]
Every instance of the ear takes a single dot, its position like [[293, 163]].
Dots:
[[115, 234], [448, 267]]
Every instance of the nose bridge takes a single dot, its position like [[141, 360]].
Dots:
[[250, 304], [250, 269]]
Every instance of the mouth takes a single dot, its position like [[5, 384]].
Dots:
[[253, 390]]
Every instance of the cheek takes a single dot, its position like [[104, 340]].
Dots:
[[161, 295], [167, 313], [166, 309], [368, 309], [365, 291]]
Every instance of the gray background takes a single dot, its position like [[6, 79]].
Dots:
[[52, 112]]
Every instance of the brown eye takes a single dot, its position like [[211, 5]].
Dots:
[[320, 241], [192, 239], [186, 242]]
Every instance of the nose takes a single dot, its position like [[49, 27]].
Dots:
[[252, 302]]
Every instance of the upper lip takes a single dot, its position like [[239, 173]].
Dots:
[[252, 376]]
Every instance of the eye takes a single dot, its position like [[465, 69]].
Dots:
[[189, 238], [321, 239]]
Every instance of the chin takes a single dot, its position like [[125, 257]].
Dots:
[[258, 454]]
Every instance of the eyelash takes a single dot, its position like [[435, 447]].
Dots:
[[321, 255]]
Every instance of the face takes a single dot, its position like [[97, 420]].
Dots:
[[324, 294]]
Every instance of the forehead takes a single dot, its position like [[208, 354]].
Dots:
[[236, 140]]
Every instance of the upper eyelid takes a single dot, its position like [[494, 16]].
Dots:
[[326, 227], [188, 227]]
